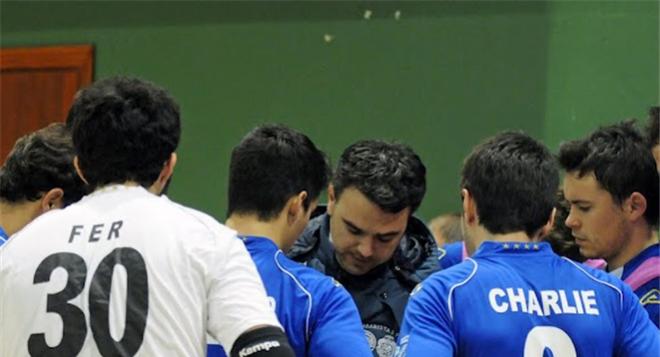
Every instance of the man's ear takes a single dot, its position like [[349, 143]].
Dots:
[[635, 206], [165, 174], [296, 207], [76, 165], [469, 208], [331, 199], [547, 228], [52, 199]]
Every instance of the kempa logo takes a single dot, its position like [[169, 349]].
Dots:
[[263, 346]]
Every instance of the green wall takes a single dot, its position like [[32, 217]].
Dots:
[[602, 65], [440, 78]]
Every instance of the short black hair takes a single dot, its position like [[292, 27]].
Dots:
[[124, 129], [39, 162], [391, 175], [653, 127], [271, 164], [619, 158], [513, 179]]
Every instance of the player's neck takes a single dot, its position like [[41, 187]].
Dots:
[[508, 237], [14, 216], [250, 225], [640, 237]]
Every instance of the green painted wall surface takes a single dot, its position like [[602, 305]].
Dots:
[[602, 65], [440, 78]]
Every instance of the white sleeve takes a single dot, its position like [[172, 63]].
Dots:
[[236, 296]]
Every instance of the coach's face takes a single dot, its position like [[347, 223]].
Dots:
[[364, 236]]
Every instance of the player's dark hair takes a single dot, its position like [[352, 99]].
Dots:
[[622, 164], [391, 175], [124, 129], [271, 164], [39, 162], [513, 179]]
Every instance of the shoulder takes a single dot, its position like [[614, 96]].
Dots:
[[308, 279], [197, 218], [596, 277], [450, 254], [445, 282], [45, 223]]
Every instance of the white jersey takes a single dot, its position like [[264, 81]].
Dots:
[[125, 272]]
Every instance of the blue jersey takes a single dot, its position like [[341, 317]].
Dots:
[[642, 274], [318, 315], [452, 254], [516, 299], [3, 236]]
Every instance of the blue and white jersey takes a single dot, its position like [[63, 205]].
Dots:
[[318, 315], [642, 274], [452, 254], [517, 299], [126, 272], [3, 236]]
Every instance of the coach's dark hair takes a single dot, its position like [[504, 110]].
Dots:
[[513, 179], [653, 127], [124, 129], [618, 157], [271, 164], [39, 162], [390, 175]]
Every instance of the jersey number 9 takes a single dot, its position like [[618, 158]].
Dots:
[[552, 338]]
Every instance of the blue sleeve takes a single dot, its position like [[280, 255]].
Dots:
[[337, 329], [450, 254], [427, 326], [215, 350], [638, 335]]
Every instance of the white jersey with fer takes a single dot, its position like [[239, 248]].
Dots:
[[124, 272]]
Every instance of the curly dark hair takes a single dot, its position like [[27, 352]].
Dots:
[[124, 129], [620, 160], [390, 175], [39, 162]]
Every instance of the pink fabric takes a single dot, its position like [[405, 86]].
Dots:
[[648, 270], [596, 263]]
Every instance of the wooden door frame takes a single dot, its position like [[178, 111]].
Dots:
[[75, 60], [78, 58]]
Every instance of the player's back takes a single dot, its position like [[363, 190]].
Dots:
[[515, 299], [121, 272], [318, 315]]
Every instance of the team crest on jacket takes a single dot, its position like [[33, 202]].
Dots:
[[651, 297], [382, 339]]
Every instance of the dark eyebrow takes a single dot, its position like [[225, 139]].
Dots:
[[360, 230], [577, 202], [352, 225]]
